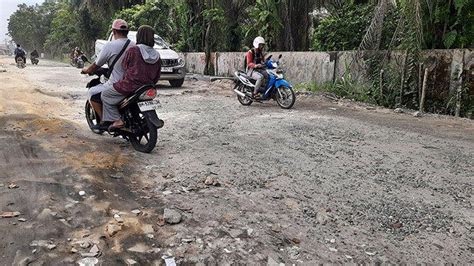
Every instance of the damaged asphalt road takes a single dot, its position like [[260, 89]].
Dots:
[[328, 181]]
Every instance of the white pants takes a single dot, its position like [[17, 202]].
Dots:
[[259, 75], [98, 89]]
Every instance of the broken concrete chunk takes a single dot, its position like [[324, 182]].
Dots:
[[12, 186], [118, 218], [171, 216], [43, 243], [95, 249], [88, 262], [170, 262], [112, 229], [139, 248], [187, 240], [130, 262], [148, 229], [9, 214], [211, 181], [417, 114]]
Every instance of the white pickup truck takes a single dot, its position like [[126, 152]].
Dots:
[[172, 65]]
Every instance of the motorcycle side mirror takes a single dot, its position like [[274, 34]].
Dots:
[[280, 56], [269, 57]]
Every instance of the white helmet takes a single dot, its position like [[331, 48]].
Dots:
[[257, 41]]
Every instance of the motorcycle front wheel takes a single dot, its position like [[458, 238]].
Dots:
[[285, 97], [243, 100], [145, 138], [92, 118]]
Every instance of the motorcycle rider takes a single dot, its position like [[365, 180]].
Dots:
[[76, 54], [255, 63], [19, 52], [107, 55], [34, 55], [142, 66]]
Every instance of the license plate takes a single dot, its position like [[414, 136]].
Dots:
[[149, 105], [167, 69]]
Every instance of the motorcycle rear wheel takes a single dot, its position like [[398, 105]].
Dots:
[[145, 141], [285, 97], [243, 100], [92, 118]]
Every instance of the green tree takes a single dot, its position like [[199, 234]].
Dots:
[[343, 29], [156, 14], [29, 25], [264, 21], [63, 35]]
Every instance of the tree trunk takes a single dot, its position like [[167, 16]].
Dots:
[[445, 27], [208, 70], [207, 49], [296, 23]]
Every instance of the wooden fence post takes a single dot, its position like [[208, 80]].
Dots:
[[459, 83], [402, 82], [423, 90], [381, 85], [420, 79]]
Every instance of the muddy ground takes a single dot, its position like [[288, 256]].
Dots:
[[328, 181]]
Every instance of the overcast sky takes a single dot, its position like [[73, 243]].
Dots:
[[7, 7]]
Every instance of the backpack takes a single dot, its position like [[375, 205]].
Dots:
[[21, 52]]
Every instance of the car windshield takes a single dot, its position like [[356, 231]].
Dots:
[[159, 42]]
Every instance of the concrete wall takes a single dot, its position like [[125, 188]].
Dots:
[[449, 70], [321, 67]]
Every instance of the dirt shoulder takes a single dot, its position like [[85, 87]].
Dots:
[[328, 181]]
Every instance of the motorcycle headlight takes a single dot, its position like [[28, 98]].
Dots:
[[181, 62]]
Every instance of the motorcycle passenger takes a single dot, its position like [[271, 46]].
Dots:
[[142, 66], [255, 63], [19, 52], [108, 55]]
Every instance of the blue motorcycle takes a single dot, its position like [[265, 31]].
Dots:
[[277, 88]]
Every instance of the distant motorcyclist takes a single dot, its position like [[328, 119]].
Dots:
[[75, 54], [34, 57], [19, 52], [256, 63], [34, 54]]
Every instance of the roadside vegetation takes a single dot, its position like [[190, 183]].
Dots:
[[57, 26], [189, 25]]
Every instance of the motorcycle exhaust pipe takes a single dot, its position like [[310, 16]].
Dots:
[[241, 94]]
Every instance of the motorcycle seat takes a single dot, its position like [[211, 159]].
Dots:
[[243, 74]]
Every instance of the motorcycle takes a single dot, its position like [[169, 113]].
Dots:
[[138, 113], [34, 60], [20, 63], [79, 61], [277, 88]]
